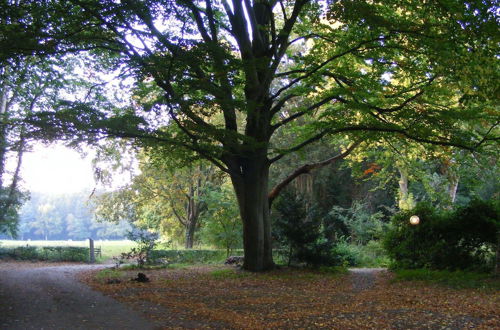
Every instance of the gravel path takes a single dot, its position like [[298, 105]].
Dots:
[[364, 278], [50, 297]]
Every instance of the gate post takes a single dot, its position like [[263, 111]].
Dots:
[[91, 251]]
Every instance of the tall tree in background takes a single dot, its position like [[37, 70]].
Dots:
[[163, 196], [25, 87], [361, 70], [11, 144]]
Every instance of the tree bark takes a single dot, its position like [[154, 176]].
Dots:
[[251, 191], [405, 201], [453, 187], [3, 131], [190, 229], [497, 259]]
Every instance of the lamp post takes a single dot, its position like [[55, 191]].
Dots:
[[414, 221]]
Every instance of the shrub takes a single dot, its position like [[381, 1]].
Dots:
[[363, 226], [25, 253], [53, 253], [146, 242], [192, 256], [370, 255], [460, 239], [299, 230]]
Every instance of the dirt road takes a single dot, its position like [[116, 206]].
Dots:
[[34, 296]]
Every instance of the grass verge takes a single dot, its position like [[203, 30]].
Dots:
[[455, 279]]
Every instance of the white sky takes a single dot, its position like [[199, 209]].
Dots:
[[56, 169]]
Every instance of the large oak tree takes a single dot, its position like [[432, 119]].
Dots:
[[418, 70]]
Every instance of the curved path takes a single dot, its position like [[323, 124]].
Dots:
[[50, 297]]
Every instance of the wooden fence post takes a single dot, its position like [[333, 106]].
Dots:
[[91, 251]]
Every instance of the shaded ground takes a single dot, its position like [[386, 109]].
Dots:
[[222, 297], [47, 296]]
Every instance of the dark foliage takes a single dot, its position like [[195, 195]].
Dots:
[[300, 231], [10, 202], [460, 239]]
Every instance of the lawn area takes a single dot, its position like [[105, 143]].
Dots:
[[224, 297], [109, 248]]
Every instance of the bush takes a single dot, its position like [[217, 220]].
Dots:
[[300, 231], [192, 256], [460, 239], [370, 255], [146, 242], [55, 253], [363, 226], [25, 253]]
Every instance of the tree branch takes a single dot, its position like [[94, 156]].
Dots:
[[322, 65], [306, 169], [301, 113]]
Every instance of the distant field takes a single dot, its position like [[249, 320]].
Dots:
[[109, 248]]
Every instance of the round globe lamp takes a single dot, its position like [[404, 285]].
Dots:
[[414, 220]]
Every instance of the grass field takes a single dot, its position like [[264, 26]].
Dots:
[[109, 248]]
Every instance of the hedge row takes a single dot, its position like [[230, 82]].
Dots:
[[193, 256], [50, 253]]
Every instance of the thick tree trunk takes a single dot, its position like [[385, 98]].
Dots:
[[192, 214], [252, 192], [190, 229]]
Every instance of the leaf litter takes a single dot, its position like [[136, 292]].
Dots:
[[224, 297]]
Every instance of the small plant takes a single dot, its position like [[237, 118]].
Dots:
[[192, 256], [109, 275], [146, 242]]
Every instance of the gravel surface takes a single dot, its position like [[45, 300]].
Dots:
[[47, 296], [364, 278]]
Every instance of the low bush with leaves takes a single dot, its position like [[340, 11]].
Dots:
[[299, 231], [464, 238], [142, 253], [53, 253], [372, 254], [363, 226], [193, 256]]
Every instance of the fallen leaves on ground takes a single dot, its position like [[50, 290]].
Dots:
[[223, 297]]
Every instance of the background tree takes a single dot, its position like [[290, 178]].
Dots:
[[48, 221], [27, 86], [70, 216], [221, 224], [166, 196], [439, 175]]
